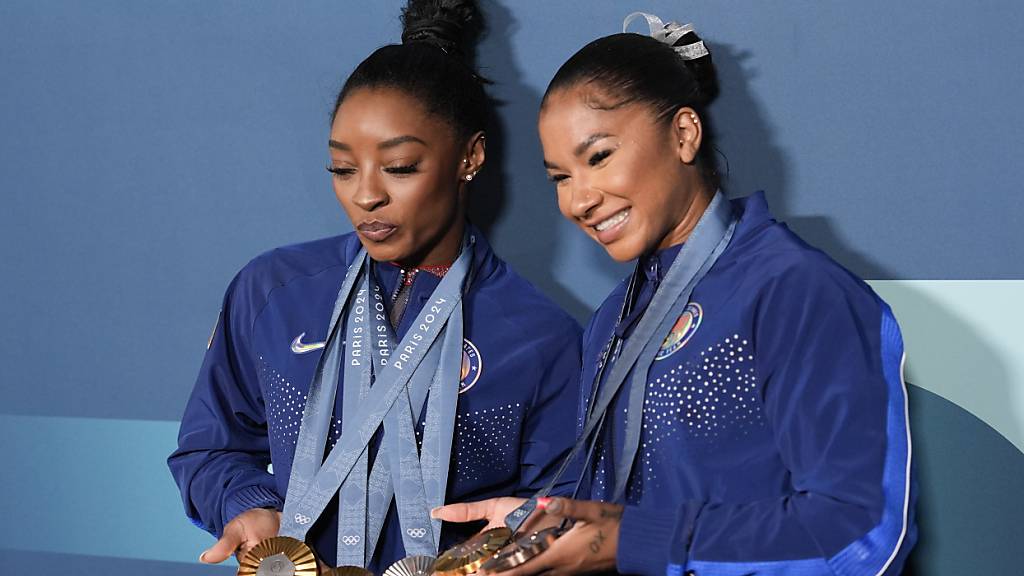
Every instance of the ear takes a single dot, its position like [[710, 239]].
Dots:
[[474, 155], [688, 132]]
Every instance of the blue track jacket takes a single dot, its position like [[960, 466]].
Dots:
[[520, 374], [774, 437]]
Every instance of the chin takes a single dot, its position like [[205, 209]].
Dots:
[[623, 251], [382, 252]]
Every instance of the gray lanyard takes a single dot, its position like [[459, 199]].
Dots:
[[420, 476], [706, 243], [312, 485]]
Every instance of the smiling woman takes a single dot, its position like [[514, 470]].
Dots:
[[466, 359], [746, 407]]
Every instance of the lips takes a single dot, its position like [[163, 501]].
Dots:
[[611, 228], [376, 230]]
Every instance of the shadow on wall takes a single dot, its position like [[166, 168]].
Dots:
[[535, 223], [751, 159], [950, 354]]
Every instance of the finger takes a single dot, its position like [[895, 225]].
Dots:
[[465, 511], [585, 510], [223, 549]]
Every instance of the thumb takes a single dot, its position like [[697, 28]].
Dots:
[[465, 511], [224, 547]]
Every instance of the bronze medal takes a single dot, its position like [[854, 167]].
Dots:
[[278, 556], [412, 566], [467, 557], [522, 550]]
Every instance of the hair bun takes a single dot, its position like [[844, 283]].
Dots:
[[452, 25], [702, 68]]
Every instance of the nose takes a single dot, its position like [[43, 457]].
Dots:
[[370, 194], [584, 200]]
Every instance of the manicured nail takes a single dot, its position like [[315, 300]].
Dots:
[[542, 503]]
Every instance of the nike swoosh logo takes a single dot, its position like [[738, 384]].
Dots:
[[298, 347]]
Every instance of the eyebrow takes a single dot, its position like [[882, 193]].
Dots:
[[589, 142], [391, 143]]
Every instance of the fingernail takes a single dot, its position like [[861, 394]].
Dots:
[[542, 503], [202, 557], [436, 512], [554, 505]]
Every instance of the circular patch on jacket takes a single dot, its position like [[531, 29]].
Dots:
[[472, 365], [682, 331]]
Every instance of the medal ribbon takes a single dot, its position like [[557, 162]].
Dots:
[[312, 485]]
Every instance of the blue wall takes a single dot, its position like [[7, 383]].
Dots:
[[148, 150]]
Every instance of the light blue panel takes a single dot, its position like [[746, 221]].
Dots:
[[93, 487], [963, 341]]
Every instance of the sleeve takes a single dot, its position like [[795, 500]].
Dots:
[[549, 430], [829, 353], [223, 452]]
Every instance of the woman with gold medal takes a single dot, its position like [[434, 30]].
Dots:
[[384, 372], [746, 412]]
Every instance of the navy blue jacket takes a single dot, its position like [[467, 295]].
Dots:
[[774, 434], [520, 374]]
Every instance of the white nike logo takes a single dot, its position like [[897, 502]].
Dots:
[[299, 348]]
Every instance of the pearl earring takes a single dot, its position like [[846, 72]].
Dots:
[[469, 177]]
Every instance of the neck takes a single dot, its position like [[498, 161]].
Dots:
[[691, 216]]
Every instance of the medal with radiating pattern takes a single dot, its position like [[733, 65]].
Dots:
[[467, 557], [412, 566], [522, 550], [278, 556]]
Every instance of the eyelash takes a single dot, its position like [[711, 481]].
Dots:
[[394, 170], [598, 157], [401, 170], [594, 160]]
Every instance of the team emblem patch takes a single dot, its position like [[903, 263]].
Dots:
[[472, 365], [684, 329]]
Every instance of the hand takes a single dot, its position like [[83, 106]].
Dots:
[[493, 511], [590, 546], [243, 532]]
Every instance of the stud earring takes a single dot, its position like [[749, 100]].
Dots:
[[694, 118], [469, 177]]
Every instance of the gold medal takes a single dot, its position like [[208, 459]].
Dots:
[[412, 566], [349, 571], [467, 557], [278, 556], [522, 550]]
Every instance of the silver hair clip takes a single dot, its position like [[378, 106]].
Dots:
[[669, 34]]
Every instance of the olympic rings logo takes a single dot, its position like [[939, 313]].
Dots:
[[416, 532], [302, 519], [350, 540]]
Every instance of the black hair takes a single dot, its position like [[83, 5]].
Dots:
[[435, 64], [632, 68]]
